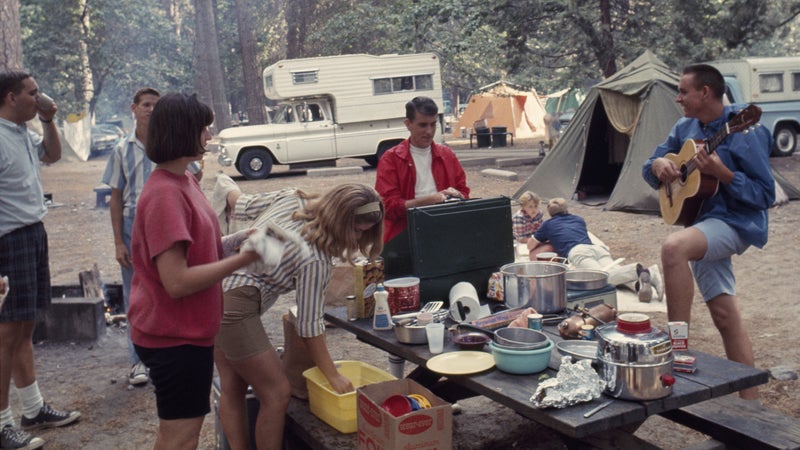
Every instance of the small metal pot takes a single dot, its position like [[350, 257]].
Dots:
[[635, 358], [411, 334], [586, 279], [540, 285]]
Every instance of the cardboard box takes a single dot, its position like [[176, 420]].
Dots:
[[679, 334], [430, 428], [366, 274]]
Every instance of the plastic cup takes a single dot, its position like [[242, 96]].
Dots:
[[435, 332]]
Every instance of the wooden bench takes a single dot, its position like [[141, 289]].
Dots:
[[738, 423]]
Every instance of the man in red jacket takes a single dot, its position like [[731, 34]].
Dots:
[[417, 171]]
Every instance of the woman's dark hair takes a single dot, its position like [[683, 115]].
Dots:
[[176, 125]]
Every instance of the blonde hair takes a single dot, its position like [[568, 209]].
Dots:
[[529, 197], [332, 219], [557, 205]]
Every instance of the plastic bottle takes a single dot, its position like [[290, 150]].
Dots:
[[381, 320]]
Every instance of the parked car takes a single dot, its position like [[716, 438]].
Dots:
[[104, 137]]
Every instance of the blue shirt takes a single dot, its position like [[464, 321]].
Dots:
[[21, 194], [563, 231], [743, 202]]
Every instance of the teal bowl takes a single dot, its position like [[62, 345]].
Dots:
[[522, 362]]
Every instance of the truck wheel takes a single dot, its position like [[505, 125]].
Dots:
[[785, 140], [372, 160], [255, 164]]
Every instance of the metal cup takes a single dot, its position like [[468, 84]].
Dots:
[[535, 321]]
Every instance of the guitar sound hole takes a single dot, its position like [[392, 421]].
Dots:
[[684, 173]]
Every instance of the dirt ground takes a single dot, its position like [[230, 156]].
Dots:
[[92, 376]]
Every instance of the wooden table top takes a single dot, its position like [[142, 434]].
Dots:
[[714, 377]]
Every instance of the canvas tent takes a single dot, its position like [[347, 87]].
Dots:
[[501, 104], [615, 130], [562, 101]]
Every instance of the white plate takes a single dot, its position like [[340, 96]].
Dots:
[[461, 363]]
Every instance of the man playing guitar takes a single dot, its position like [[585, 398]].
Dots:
[[728, 222]]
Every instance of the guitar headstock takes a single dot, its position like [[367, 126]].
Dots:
[[747, 117]]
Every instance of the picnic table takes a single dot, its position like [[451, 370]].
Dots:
[[714, 378]]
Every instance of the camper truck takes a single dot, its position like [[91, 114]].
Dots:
[[773, 84], [348, 106]]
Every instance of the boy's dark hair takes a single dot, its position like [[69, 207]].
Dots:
[[137, 97], [422, 105], [706, 75], [11, 81], [176, 126]]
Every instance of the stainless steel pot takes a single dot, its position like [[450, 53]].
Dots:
[[635, 358], [540, 285], [586, 279], [511, 338]]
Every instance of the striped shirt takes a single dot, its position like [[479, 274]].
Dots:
[[308, 276], [127, 169]]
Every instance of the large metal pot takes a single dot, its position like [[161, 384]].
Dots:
[[540, 285], [635, 358]]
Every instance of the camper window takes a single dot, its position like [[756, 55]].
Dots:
[[305, 77], [401, 84], [796, 81], [423, 83], [770, 83]]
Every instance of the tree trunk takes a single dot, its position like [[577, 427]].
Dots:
[[296, 13], [10, 38], [209, 63], [609, 56], [86, 93], [251, 63]]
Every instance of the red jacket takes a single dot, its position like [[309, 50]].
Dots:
[[397, 176]]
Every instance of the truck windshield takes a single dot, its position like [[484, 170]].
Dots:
[[284, 114]]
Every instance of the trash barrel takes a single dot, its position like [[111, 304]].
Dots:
[[484, 137], [499, 136]]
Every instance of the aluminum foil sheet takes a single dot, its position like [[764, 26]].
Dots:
[[575, 383]]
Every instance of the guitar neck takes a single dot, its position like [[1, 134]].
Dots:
[[713, 143]]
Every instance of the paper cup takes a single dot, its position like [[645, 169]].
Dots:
[[45, 102]]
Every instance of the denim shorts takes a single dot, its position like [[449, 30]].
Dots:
[[714, 272]]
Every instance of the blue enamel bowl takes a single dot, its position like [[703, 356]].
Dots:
[[522, 362]]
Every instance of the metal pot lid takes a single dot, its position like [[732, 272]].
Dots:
[[632, 340]]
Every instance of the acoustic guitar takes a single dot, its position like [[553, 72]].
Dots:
[[681, 199]]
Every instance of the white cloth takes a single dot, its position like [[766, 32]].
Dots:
[[270, 243]]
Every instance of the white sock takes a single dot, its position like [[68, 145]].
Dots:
[[31, 399], [6, 418]]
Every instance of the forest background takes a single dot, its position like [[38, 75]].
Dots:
[[91, 55]]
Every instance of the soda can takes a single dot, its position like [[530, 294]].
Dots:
[[587, 332], [535, 321]]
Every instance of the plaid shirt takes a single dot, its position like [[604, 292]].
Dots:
[[525, 225]]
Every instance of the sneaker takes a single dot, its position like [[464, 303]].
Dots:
[[657, 282], [644, 284], [138, 375], [49, 418], [12, 438]]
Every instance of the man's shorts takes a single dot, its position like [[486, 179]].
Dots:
[[24, 259], [714, 272], [182, 377], [241, 334]]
